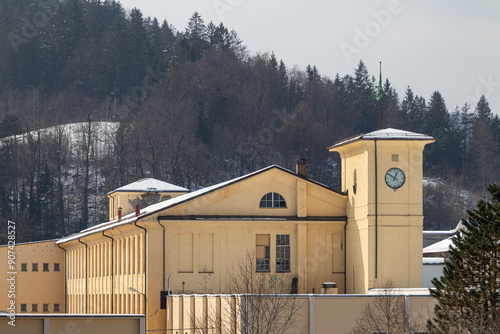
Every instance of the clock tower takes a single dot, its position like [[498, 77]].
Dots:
[[382, 176]]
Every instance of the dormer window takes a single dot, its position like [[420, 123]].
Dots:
[[272, 200]]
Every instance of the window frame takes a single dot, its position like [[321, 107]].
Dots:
[[272, 200], [45, 267], [283, 253], [24, 266], [263, 264], [34, 266], [24, 308], [57, 266], [45, 308], [34, 308], [57, 308]]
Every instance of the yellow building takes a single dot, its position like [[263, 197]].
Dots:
[[36, 282], [359, 238]]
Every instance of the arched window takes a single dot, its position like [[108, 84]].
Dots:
[[272, 200]]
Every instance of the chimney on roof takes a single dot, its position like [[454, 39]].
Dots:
[[137, 210], [300, 167], [119, 213]]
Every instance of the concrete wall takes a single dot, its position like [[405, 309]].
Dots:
[[55, 324], [315, 313]]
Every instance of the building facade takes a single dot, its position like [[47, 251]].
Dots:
[[160, 237]]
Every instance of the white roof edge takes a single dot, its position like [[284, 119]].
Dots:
[[386, 134], [157, 207]]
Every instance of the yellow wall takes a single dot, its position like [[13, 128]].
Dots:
[[33, 287], [200, 253]]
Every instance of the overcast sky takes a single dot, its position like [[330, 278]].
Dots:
[[449, 46]]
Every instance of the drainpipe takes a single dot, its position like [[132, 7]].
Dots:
[[163, 254], [86, 278], [112, 272], [345, 257], [145, 267], [376, 216], [65, 282]]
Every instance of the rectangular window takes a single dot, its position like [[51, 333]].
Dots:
[[45, 307], [45, 267], [34, 267], [263, 255], [282, 253], [56, 308], [57, 267], [34, 307], [24, 267], [24, 308]]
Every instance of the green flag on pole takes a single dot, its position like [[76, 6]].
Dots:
[[379, 91]]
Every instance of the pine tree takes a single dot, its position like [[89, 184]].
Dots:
[[468, 293]]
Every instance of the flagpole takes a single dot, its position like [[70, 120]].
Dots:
[[380, 100]]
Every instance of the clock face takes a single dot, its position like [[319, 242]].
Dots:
[[395, 178]]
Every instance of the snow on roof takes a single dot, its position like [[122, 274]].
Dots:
[[433, 260], [150, 185], [385, 134], [155, 208], [440, 246]]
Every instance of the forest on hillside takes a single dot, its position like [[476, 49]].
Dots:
[[191, 107]]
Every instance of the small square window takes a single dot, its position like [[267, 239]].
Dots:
[[395, 157], [34, 307], [45, 267], [56, 308], [57, 267], [24, 267], [34, 267], [45, 307], [23, 308]]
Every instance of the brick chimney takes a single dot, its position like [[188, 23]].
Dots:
[[137, 210], [300, 167], [119, 213]]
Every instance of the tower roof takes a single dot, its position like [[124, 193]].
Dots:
[[385, 134], [150, 185]]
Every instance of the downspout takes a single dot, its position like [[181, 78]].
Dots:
[[345, 257], [376, 216], [145, 268], [65, 281], [163, 254], [86, 278], [168, 292], [112, 271]]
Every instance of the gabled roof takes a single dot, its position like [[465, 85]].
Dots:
[[149, 185], [442, 246], [384, 134], [158, 207]]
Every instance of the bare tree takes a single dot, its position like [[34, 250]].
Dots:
[[386, 313], [261, 304]]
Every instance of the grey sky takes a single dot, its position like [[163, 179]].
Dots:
[[450, 46]]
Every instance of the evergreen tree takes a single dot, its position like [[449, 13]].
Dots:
[[482, 144], [468, 293]]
